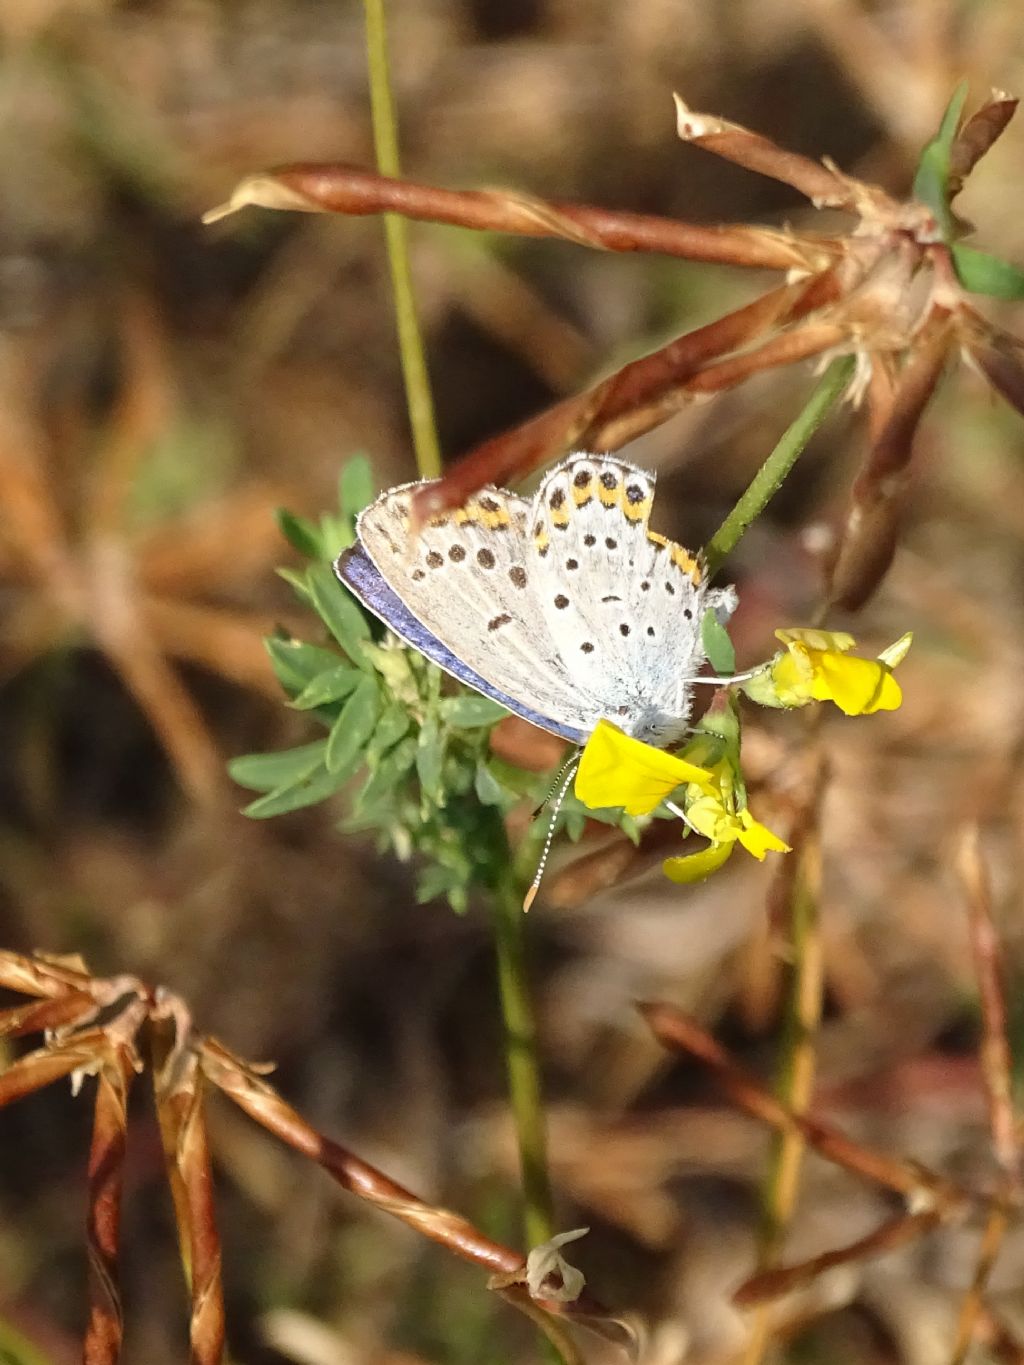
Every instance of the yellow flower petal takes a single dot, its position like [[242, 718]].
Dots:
[[820, 640], [855, 685], [758, 839], [817, 667], [616, 770], [792, 676], [889, 698], [714, 817], [696, 866], [896, 652], [709, 817]]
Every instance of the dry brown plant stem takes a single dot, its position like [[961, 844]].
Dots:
[[185, 1065], [997, 1074], [103, 1332], [796, 1081], [335, 188], [885, 291]]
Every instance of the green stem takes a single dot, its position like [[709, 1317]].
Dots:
[[410, 341], [18, 1350], [795, 1080], [769, 478], [521, 1059]]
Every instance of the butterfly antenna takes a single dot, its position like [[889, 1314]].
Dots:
[[570, 762], [573, 764]]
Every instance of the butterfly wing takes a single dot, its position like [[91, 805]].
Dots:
[[624, 602], [468, 602], [357, 570]]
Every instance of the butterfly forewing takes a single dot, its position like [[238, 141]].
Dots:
[[466, 579]]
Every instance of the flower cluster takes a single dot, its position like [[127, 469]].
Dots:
[[703, 785]]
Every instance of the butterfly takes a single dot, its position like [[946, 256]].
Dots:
[[566, 608]]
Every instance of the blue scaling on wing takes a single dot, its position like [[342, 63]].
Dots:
[[358, 572]]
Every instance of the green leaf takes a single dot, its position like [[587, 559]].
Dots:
[[630, 828], [355, 485], [300, 533], [984, 274], [297, 583], [266, 772], [430, 759], [394, 664], [469, 709], [388, 772], [489, 791], [721, 723], [575, 824], [433, 882], [717, 645], [297, 663], [354, 725], [328, 687], [931, 183], [336, 534], [316, 786], [337, 609], [392, 726]]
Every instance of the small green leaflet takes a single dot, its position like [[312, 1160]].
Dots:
[[392, 726], [354, 725], [327, 687], [297, 583], [489, 791], [266, 772], [984, 274], [300, 533], [717, 645], [338, 611], [389, 771], [316, 786], [469, 709], [297, 664], [430, 760], [931, 183], [355, 485]]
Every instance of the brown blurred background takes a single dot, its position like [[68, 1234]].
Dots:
[[164, 386]]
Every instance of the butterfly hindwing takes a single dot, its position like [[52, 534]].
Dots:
[[627, 601]]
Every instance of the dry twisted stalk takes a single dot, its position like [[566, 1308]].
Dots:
[[146, 1028], [932, 1199], [886, 291]]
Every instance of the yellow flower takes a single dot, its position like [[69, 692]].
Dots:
[[694, 867], [818, 667], [714, 814], [616, 770]]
